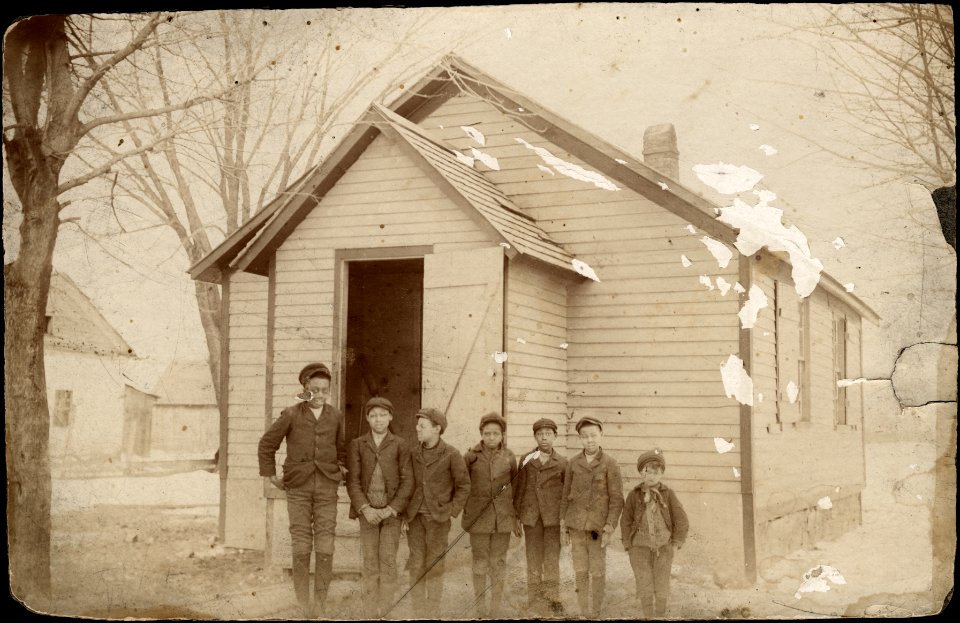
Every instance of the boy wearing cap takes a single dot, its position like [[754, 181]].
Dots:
[[536, 496], [312, 471], [489, 515], [441, 487], [653, 525], [589, 509], [379, 482]]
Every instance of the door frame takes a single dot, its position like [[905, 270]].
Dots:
[[341, 285]]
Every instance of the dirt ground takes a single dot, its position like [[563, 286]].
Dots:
[[143, 561], [112, 561]]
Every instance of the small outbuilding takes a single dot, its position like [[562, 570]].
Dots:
[[98, 414], [186, 419], [465, 248]]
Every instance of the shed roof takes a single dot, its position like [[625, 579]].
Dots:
[[76, 323], [186, 383], [450, 77]]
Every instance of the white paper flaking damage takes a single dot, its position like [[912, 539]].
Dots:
[[825, 503], [546, 169], [756, 301], [720, 251], [768, 150], [507, 33], [705, 280], [467, 160], [663, 186], [816, 580], [838, 243], [849, 382], [759, 397], [754, 127], [737, 383], [792, 392], [475, 134], [570, 169], [499, 356], [505, 245], [848, 287], [739, 289], [530, 457], [736, 473], [761, 226], [520, 340], [584, 269], [722, 445], [564, 345], [728, 179], [620, 161], [486, 159], [723, 286], [686, 262]]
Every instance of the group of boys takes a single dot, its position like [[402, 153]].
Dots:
[[396, 489]]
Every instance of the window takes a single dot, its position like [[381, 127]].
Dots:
[[839, 368], [792, 326], [63, 407]]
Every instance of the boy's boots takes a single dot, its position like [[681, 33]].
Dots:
[[301, 581], [479, 594], [496, 597], [322, 576], [599, 590], [583, 592]]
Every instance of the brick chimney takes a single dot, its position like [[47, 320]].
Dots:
[[660, 150]]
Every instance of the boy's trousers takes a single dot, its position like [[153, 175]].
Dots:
[[312, 510], [427, 540], [589, 567], [489, 560], [651, 568], [543, 563], [379, 544]]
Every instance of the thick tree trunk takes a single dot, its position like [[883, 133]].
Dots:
[[27, 420], [208, 300]]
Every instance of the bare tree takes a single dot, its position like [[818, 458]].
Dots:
[[893, 72], [231, 156], [53, 68]]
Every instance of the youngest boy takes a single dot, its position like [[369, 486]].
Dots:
[[653, 525]]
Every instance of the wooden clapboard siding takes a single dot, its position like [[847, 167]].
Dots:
[[648, 313], [792, 470], [536, 365], [795, 463], [383, 200], [246, 396]]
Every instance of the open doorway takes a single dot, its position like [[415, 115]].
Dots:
[[383, 342]]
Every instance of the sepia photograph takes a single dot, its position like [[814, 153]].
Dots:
[[538, 312]]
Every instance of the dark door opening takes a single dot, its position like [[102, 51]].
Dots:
[[384, 341]]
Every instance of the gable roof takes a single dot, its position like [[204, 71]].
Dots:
[[209, 267], [186, 383], [76, 324], [510, 223], [451, 77]]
